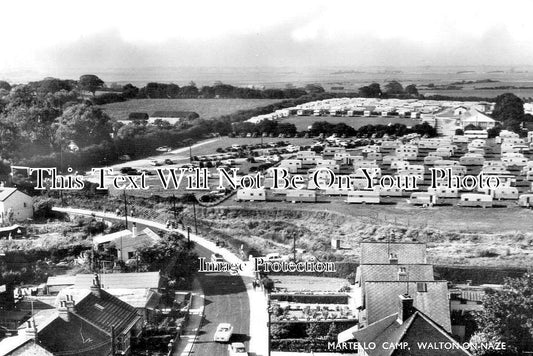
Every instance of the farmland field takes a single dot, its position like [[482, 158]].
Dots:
[[206, 108], [303, 122]]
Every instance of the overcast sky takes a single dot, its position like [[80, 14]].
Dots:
[[98, 34]]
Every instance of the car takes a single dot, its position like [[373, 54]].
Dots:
[[155, 163], [223, 332], [237, 349], [163, 149], [217, 258], [168, 161]]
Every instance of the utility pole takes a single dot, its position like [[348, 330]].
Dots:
[[174, 207], [126, 218], [194, 211], [269, 322], [188, 237]]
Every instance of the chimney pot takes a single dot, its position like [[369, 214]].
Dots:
[[405, 309]]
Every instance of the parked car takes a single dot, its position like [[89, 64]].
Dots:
[[168, 161], [163, 149], [155, 163], [223, 332], [237, 349]]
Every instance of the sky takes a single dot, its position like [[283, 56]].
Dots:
[[47, 36]]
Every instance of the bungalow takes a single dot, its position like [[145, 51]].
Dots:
[[126, 242], [14, 205]]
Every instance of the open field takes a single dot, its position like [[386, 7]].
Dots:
[[206, 108], [303, 122], [480, 93]]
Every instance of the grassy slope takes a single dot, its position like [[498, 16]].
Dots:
[[206, 108]]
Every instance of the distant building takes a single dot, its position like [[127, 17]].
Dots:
[[138, 116], [172, 116]]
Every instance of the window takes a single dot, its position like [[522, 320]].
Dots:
[[421, 287], [131, 255], [25, 205]]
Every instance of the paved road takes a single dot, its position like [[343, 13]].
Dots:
[[226, 301]]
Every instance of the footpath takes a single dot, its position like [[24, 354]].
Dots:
[[258, 344]]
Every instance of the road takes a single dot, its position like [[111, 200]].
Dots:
[[226, 301]]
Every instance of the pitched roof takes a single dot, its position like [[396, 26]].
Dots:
[[146, 236], [381, 300], [171, 114], [407, 252], [389, 272], [64, 280], [139, 280], [137, 298], [418, 328], [106, 311], [76, 334], [6, 193], [14, 343]]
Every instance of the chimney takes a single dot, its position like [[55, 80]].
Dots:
[[393, 258], [405, 308], [95, 288], [63, 310], [69, 303], [134, 230], [31, 329], [402, 274]]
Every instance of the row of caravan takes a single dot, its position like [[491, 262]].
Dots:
[[432, 197]]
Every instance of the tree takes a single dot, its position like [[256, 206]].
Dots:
[[130, 91], [83, 123], [314, 88], [509, 109], [371, 91], [90, 83], [411, 90], [508, 314], [394, 88], [5, 85]]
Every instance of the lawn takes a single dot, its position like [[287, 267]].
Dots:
[[303, 122], [206, 108]]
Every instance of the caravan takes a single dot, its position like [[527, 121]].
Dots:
[[362, 197], [423, 198], [475, 200], [444, 192], [526, 200]]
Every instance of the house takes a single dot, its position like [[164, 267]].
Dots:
[[14, 205], [172, 117], [406, 331], [126, 242], [86, 322], [138, 116], [476, 118]]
